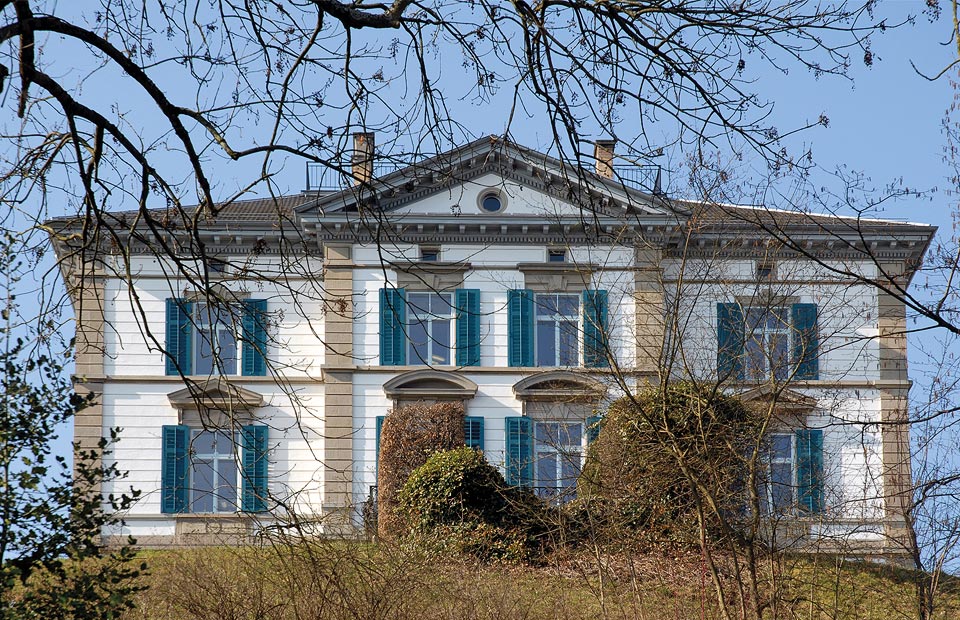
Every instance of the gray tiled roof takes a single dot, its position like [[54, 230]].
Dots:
[[278, 209]]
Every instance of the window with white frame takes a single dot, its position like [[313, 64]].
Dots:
[[557, 329], [558, 458], [214, 474], [215, 340], [430, 319], [767, 343], [779, 490]]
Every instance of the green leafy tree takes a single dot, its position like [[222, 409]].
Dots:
[[52, 562]]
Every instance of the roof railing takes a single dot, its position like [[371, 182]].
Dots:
[[647, 178]]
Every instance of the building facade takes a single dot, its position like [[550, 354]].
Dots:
[[251, 379]]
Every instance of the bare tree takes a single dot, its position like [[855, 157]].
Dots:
[[256, 87]]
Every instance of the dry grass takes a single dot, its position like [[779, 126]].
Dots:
[[344, 580]]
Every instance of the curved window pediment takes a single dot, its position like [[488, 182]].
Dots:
[[429, 384], [559, 386]]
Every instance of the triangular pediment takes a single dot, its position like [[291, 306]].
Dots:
[[217, 393], [532, 183], [781, 398]]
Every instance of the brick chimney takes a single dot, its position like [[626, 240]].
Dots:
[[603, 155], [362, 159]]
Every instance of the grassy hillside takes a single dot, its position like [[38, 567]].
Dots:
[[374, 582]]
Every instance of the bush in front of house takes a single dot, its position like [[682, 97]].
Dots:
[[457, 502], [663, 453], [409, 435]]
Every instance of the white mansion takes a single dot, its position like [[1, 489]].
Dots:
[[249, 384]]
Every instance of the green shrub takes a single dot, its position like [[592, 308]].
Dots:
[[458, 502], [451, 487]]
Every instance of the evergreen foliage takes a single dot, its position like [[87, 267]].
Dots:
[[52, 563]]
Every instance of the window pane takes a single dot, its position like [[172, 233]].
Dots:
[[546, 343], [545, 433], [546, 305], [226, 485], [203, 443], [441, 342], [441, 304], [224, 442], [570, 464], [418, 351], [228, 350], [755, 319], [572, 434], [776, 320], [778, 356], [202, 478], [547, 470], [568, 344], [756, 358], [781, 482], [203, 364], [568, 305], [418, 302], [781, 447]]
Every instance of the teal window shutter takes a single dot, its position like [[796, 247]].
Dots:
[[468, 326], [595, 329], [179, 337], [810, 470], [380, 419], [729, 341], [519, 452], [520, 328], [806, 356], [473, 432], [254, 337], [253, 442], [393, 319], [174, 462], [594, 423]]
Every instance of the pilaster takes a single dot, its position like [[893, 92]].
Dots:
[[894, 416], [649, 299], [338, 390], [88, 296]]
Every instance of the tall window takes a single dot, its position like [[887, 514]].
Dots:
[[215, 340], [767, 343], [213, 471], [558, 448], [429, 328], [781, 482], [557, 320]]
